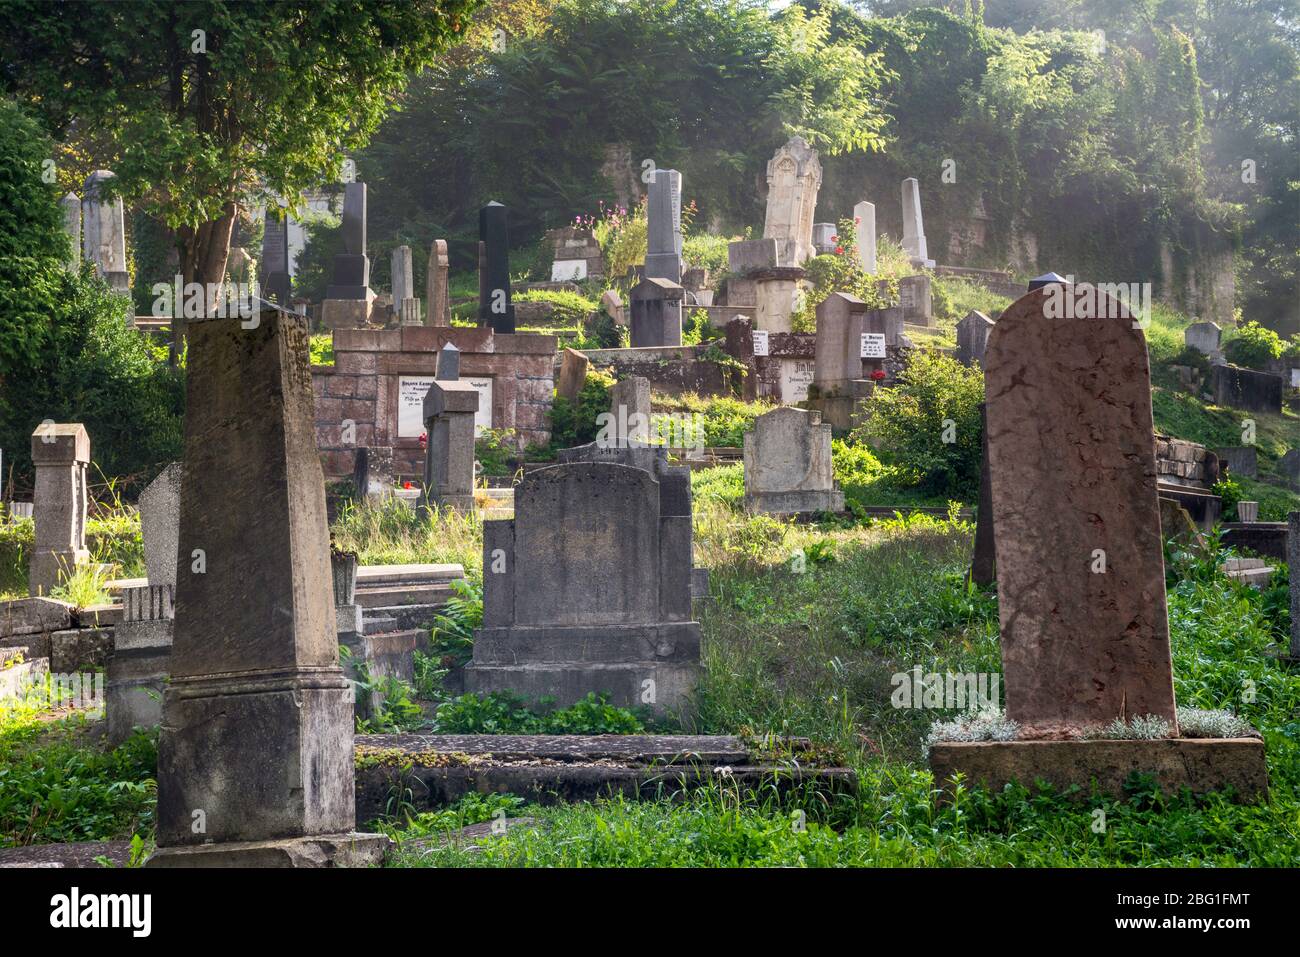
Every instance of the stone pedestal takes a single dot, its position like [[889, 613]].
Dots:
[[776, 293], [347, 313], [140, 664], [656, 313], [61, 455], [256, 742], [449, 410]]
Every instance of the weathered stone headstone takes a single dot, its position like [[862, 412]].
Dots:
[[435, 284], [276, 283], [629, 406], [776, 295], [1289, 465], [656, 313], [61, 456], [664, 226], [103, 232], [577, 255], [495, 309], [71, 207], [1203, 337], [914, 225], [864, 223], [1081, 585], [255, 762], [915, 298], [405, 306], [849, 348], [449, 409], [1246, 389], [788, 464], [588, 589], [573, 374], [794, 176], [973, 337], [1241, 460], [750, 255], [160, 510], [612, 303]]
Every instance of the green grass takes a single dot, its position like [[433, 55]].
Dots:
[[321, 349]]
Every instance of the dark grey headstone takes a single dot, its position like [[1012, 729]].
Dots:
[[495, 309]]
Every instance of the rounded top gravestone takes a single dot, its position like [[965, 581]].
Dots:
[[1081, 584]]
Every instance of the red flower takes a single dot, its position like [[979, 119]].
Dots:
[[839, 250], [835, 239], [406, 485], [857, 220], [878, 374]]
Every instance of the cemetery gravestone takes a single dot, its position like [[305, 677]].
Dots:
[[915, 298], [435, 284], [823, 238], [1246, 388], [257, 718], [864, 222], [914, 225], [1240, 459], [972, 338], [588, 589], [495, 309], [276, 284], [449, 409], [629, 407], [846, 350], [405, 306], [1290, 468], [788, 464], [1203, 337], [573, 374], [103, 231], [656, 313], [794, 176], [61, 456], [664, 226], [348, 298], [1081, 587]]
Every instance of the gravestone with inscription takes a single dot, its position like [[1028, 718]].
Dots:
[[914, 243], [973, 337], [61, 457], [794, 177], [255, 759], [405, 306], [664, 226], [915, 298], [588, 589], [348, 297], [274, 271], [103, 231]]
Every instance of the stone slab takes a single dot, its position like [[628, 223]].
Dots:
[[320, 850]]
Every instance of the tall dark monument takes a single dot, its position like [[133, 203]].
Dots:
[[494, 307], [275, 260]]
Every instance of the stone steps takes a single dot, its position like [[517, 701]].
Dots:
[[399, 595], [549, 769], [1254, 572]]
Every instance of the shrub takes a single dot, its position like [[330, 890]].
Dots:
[[571, 308], [505, 713], [1253, 346], [930, 423], [575, 423]]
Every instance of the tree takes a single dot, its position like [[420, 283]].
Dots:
[[213, 105]]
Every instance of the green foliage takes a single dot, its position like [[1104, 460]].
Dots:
[[575, 423], [323, 233], [392, 533], [451, 639], [473, 808], [506, 713], [704, 251], [494, 450], [1253, 346], [571, 308], [722, 419], [930, 423], [722, 483], [321, 349]]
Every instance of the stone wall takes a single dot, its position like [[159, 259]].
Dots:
[[1179, 462], [363, 388], [672, 370]]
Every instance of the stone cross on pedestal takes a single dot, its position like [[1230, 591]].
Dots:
[[61, 455], [495, 309], [449, 409], [1076, 521], [255, 760]]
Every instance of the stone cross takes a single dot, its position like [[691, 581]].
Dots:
[[61, 455], [864, 225], [103, 232], [71, 207], [435, 284], [255, 761], [972, 338], [664, 226], [913, 225], [1076, 521], [656, 313], [495, 309], [788, 464], [794, 176]]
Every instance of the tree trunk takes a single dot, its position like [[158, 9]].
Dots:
[[203, 255]]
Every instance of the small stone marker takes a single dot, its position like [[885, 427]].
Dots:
[[573, 374], [435, 284], [916, 300], [823, 238], [788, 464], [495, 309], [1080, 565], [1203, 337], [864, 224], [629, 406], [973, 337], [794, 176], [255, 761], [61, 456]]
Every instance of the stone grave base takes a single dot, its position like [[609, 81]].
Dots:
[[838, 411], [351, 849], [1200, 764], [549, 769], [795, 502], [137, 678], [346, 313], [567, 682]]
